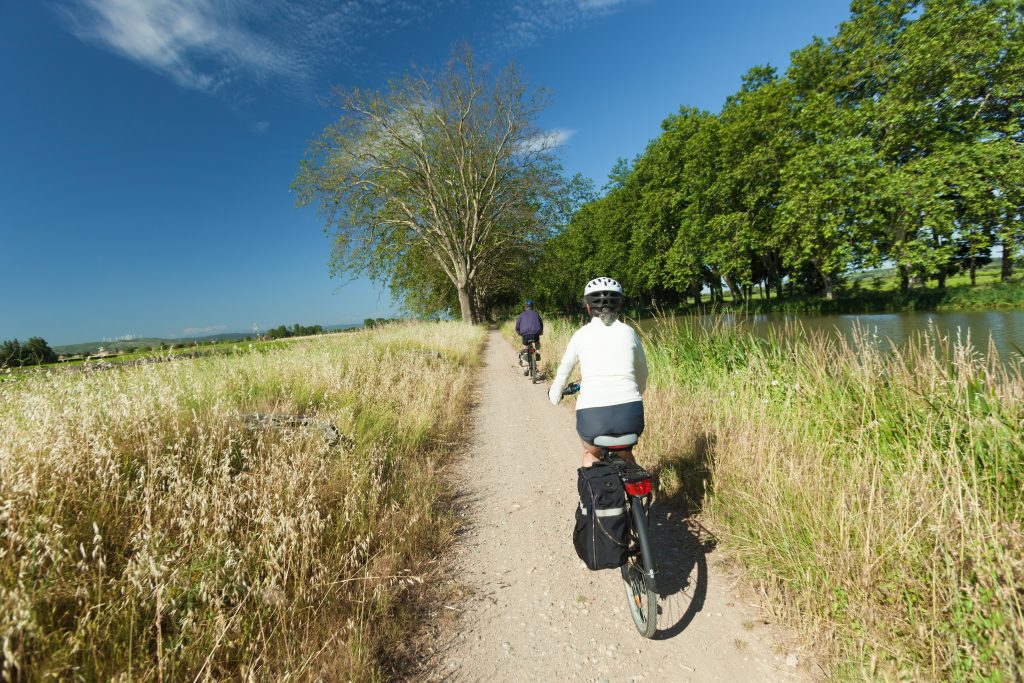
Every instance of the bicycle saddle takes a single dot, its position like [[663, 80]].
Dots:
[[612, 441]]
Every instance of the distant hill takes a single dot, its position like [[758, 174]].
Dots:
[[88, 347]]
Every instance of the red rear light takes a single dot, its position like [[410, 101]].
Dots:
[[639, 487]]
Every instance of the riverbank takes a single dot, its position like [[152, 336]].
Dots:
[[262, 515], [961, 298], [958, 298], [874, 498]]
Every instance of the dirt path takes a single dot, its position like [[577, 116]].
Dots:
[[533, 611]]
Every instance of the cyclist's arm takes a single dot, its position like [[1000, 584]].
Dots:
[[541, 321], [564, 369], [639, 364], [518, 320]]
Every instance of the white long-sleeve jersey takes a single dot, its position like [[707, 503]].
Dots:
[[612, 364]]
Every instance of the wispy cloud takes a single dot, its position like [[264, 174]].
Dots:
[[527, 21], [200, 44], [208, 44], [261, 126], [549, 139]]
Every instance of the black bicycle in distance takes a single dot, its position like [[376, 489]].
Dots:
[[529, 357], [638, 573]]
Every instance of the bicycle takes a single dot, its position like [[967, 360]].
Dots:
[[638, 573], [532, 356]]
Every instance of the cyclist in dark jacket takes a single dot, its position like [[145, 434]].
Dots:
[[529, 326]]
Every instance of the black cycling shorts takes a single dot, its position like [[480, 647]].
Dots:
[[624, 418], [531, 338]]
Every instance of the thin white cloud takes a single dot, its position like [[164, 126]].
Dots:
[[549, 139], [208, 44], [599, 4], [198, 43], [261, 126], [527, 21]]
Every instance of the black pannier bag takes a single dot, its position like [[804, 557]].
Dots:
[[601, 536]]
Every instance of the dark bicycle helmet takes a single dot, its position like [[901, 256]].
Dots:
[[603, 294]]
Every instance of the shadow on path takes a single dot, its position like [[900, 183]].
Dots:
[[682, 543]]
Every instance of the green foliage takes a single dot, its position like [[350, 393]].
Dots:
[[440, 185], [35, 351], [898, 141], [296, 330]]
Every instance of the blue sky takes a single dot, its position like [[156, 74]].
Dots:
[[147, 146]]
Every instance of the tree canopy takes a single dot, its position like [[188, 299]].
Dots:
[[899, 141], [439, 184]]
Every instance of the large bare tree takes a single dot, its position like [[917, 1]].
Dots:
[[446, 164]]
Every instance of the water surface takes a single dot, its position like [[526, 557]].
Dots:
[[1005, 329]]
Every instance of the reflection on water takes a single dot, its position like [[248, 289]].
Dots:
[[1005, 329]]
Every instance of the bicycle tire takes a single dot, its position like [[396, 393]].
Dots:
[[533, 367], [638, 574]]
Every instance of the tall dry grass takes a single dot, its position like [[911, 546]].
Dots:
[[875, 496], [150, 530]]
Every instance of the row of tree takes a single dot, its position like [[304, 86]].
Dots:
[[296, 330], [898, 141], [14, 354]]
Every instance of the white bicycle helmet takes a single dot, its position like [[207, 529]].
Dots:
[[604, 295], [602, 284]]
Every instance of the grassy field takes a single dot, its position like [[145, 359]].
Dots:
[[126, 359], [875, 498], [255, 515]]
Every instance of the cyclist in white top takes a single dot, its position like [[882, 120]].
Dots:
[[613, 368]]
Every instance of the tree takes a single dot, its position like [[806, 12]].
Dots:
[[39, 352], [33, 352], [442, 166], [11, 354]]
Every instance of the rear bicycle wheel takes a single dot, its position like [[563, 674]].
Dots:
[[533, 366], [638, 573]]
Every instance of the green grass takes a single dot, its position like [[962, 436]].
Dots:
[[875, 498]]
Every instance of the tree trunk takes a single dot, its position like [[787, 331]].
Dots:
[[1006, 272], [904, 279], [973, 271], [826, 280], [465, 303], [941, 279], [736, 289], [773, 264]]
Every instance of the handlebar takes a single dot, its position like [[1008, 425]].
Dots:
[[571, 389]]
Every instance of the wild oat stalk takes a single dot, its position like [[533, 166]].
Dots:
[[151, 528]]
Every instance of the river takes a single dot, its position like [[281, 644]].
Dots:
[[1004, 328]]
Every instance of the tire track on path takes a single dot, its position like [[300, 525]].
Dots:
[[532, 611]]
